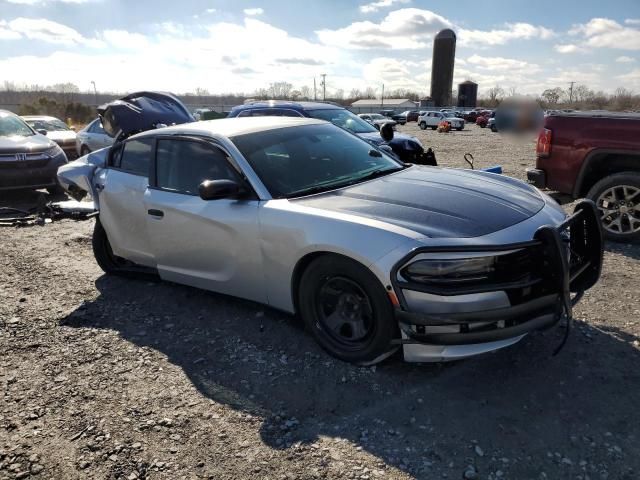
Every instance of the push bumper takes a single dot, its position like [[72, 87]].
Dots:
[[537, 177], [572, 255]]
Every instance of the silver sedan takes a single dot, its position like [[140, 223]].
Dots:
[[92, 138], [373, 254]]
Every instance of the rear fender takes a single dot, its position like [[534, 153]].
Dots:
[[79, 177]]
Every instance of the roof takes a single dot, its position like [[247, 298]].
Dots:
[[377, 101], [287, 104], [230, 127], [596, 114], [38, 117]]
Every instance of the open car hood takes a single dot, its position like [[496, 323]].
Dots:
[[142, 111]]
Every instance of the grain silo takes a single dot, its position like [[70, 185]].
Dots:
[[467, 94], [444, 54]]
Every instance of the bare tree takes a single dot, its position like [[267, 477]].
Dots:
[[369, 93], [202, 92], [305, 92], [280, 90], [495, 95], [552, 96], [623, 99]]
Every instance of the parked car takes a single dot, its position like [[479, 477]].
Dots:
[[400, 118], [594, 155], [28, 159], [407, 148], [471, 116], [411, 115], [376, 119], [482, 121], [56, 130], [433, 119], [387, 113], [92, 138], [309, 218]]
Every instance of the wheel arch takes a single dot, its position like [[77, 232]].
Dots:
[[306, 260], [600, 163]]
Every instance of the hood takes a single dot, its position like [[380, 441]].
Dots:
[[142, 111], [61, 135], [439, 203], [17, 144]]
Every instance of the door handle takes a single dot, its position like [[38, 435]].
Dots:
[[156, 213]]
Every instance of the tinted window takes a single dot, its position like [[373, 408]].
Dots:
[[136, 156], [290, 161], [182, 165], [344, 119]]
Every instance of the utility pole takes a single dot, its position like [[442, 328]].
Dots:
[[324, 86], [571, 92], [315, 96], [382, 98], [95, 93]]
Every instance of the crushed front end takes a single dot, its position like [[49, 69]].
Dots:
[[459, 301]]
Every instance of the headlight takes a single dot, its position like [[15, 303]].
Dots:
[[53, 151], [450, 271]]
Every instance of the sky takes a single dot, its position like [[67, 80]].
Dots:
[[240, 46]]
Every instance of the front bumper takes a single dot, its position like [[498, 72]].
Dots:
[[537, 177], [572, 257], [30, 174]]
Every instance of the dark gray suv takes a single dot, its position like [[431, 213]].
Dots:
[[28, 159]]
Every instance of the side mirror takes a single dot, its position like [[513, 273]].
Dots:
[[386, 132], [42, 131], [218, 189]]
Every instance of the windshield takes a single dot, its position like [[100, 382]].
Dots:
[[298, 161], [50, 125], [11, 125], [377, 116], [344, 119]]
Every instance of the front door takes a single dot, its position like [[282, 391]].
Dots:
[[210, 244]]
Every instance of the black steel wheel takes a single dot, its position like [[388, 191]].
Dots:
[[346, 309]]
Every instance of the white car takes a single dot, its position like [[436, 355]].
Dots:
[[307, 217], [92, 138], [433, 119], [56, 130], [377, 120]]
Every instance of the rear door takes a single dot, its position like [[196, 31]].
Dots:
[[211, 244], [122, 209]]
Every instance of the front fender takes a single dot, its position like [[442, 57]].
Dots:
[[77, 177]]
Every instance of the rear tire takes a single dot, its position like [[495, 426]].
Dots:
[[618, 200], [346, 309]]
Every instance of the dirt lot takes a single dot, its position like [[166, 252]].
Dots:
[[112, 378]]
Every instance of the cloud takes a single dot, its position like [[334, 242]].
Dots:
[[221, 57], [407, 28], [631, 79], [375, 6], [6, 33], [44, 30], [501, 36], [632, 21], [502, 64], [42, 2], [299, 61], [253, 11], [625, 59], [607, 33], [568, 48]]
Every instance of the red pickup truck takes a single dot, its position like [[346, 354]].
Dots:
[[594, 155]]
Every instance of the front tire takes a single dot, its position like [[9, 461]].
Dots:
[[346, 309], [618, 200], [84, 150], [423, 126]]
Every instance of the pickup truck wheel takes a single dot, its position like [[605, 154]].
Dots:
[[423, 126], [346, 309], [618, 200]]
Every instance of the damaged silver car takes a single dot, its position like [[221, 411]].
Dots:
[[299, 214]]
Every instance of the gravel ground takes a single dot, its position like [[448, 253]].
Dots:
[[114, 378]]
